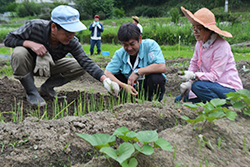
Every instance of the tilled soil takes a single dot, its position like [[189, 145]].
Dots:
[[35, 142]]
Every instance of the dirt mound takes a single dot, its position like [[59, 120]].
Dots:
[[54, 142]]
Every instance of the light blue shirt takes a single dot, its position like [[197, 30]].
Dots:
[[149, 53]]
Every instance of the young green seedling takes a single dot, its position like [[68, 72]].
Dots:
[[125, 154]]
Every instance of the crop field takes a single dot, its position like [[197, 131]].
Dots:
[[92, 128]]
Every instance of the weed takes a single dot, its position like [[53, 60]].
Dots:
[[3, 145]]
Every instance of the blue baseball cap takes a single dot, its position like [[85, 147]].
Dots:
[[68, 18]]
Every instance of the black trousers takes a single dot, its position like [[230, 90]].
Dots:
[[152, 87]]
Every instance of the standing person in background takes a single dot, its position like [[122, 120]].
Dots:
[[96, 29], [212, 72], [136, 21]]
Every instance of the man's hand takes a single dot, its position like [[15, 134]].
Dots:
[[43, 64], [130, 90], [111, 86], [188, 75], [39, 49], [132, 78], [185, 87]]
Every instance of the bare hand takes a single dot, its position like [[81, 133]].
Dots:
[[132, 78], [131, 90], [39, 49]]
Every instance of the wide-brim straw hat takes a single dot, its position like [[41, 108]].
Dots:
[[136, 19], [206, 18]]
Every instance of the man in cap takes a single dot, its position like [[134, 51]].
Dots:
[[40, 48], [96, 29], [136, 21]]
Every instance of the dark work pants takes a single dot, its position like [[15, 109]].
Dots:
[[152, 87], [92, 45]]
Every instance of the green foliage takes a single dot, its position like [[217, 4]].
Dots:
[[126, 152], [27, 8], [147, 11], [4, 4], [92, 7], [174, 12], [212, 110], [119, 12], [240, 100]]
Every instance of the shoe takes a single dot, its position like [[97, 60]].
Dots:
[[32, 94], [47, 88]]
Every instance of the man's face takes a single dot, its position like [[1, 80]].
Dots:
[[96, 19], [64, 36], [132, 46]]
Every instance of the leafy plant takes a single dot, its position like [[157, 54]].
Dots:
[[240, 100], [134, 144], [212, 110]]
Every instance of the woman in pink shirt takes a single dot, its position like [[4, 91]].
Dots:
[[212, 72]]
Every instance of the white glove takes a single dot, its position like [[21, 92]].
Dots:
[[185, 87], [94, 23], [43, 64], [111, 86], [188, 75]]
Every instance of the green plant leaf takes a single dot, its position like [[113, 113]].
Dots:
[[231, 115], [123, 153], [137, 147], [98, 140], [132, 136], [147, 136], [218, 114], [147, 149], [238, 104], [122, 133], [244, 92], [194, 121], [247, 100], [247, 111], [185, 117], [163, 144], [218, 102], [130, 163], [191, 106]]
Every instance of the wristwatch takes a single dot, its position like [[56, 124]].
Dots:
[[136, 71]]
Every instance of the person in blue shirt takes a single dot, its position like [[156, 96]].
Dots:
[[96, 29], [138, 62]]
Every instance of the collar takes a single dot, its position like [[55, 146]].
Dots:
[[210, 41], [125, 58]]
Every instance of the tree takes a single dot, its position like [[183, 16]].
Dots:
[[4, 4], [93, 7]]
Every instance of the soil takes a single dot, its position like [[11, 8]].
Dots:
[[36, 142]]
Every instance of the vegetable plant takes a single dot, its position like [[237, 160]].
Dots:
[[134, 143], [240, 100], [213, 110]]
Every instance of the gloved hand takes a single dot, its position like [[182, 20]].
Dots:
[[94, 23], [43, 64], [185, 87], [111, 86], [188, 75]]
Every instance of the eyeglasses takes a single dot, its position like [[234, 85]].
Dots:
[[196, 28], [68, 34]]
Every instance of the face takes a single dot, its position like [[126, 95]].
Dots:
[[200, 33], [61, 35], [96, 19], [134, 22], [132, 46]]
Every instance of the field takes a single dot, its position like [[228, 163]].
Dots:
[[47, 136]]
